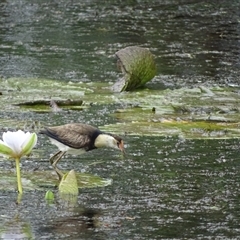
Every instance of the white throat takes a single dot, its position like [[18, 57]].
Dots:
[[105, 140]]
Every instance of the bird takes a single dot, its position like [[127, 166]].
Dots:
[[77, 138]]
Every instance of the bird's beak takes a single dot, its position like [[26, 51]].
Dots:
[[121, 147]]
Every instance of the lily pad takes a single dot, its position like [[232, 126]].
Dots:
[[137, 65], [47, 179], [69, 184]]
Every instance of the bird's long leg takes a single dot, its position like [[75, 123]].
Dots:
[[51, 160], [54, 162], [58, 158]]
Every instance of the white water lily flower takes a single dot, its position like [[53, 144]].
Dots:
[[17, 144]]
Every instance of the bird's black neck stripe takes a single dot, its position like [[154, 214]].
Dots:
[[92, 140]]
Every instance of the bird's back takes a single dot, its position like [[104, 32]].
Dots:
[[74, 135]]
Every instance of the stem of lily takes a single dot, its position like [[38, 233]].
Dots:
[[19, 180]]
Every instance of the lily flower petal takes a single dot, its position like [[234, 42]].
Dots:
[[14, 140], [19, 142], [29, 143]]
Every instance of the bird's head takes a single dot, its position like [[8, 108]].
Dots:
[[117, 141], [109, 140]]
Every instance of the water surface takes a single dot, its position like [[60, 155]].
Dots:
[[166, 187]]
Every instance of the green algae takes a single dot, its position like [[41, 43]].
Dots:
[[190, 112]]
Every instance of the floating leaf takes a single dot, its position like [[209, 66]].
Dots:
[[68, 184], [38, 180], [138, 64], [138, 67], [49, 196]]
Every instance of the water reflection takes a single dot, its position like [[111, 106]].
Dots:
[[72, 226], [15, 228]]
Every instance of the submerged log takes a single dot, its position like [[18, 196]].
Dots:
[[60, 103], [138, 66]]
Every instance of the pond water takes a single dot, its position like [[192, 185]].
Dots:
[[189, 191], [169, 186]]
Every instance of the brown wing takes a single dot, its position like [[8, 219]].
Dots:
[[75, 135]]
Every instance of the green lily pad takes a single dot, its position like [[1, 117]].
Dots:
[[69, 184], [47, 179], [137, 65]]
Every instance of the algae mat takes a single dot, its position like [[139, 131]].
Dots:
[[188, 112]]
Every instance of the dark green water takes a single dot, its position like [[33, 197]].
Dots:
[[194, 41], [165, 188]]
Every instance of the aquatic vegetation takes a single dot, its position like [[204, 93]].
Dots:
[[68, 184], [198, 112], [49, 196], [16, 145], [138, 66]]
